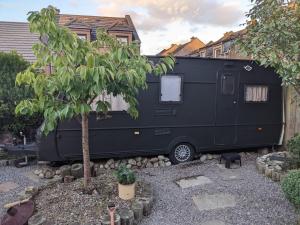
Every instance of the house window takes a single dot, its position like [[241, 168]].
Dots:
[[82, 36], [170, 88], [122, 39], [227, 84], [256, 93], [202, 54], [218, 53]]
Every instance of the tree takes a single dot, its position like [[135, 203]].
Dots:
[[81, 71], [11, 64], [273, 38]]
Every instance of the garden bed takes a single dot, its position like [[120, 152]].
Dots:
[[65, 203]]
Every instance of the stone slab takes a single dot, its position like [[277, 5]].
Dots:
[[213, 222], [193, 181], [7, 186], [214, 201], [30, 175]]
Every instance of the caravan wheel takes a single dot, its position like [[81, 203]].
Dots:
[[182, 153]]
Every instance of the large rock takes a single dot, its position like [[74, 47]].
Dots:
[[77, 170], [203, 158], [263, 151], [132, 162], [154, 160], [48, 173], [111, 161], [37, 219], [65, 170]]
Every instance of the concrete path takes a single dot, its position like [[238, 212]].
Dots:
[[208, 194]]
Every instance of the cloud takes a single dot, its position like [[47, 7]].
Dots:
[[149, 15]]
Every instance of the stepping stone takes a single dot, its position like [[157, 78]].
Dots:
[[7, 186], [30, 175], [215, 201], [213, 222], [193, 181]]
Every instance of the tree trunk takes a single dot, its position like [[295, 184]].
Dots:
[[86, 150]]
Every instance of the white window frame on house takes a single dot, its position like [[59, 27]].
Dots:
[[122, 39], [82, 36], [256, 93], [202, 54], [215, 52], [171, 88]]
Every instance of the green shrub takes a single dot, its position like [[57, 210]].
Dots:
[[125, 176], [10, 95], [291, 187], [293, 147]]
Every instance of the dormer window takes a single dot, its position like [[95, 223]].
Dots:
[[123, 39]]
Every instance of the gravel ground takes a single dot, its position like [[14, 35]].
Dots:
[[23, 177], [259, 201]]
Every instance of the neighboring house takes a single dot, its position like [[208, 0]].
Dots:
[[223, 48], [169, 50], [85, 26], [16, 35], [184, 49]]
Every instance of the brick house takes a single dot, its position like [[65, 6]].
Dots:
[[16, 35], [222, 48], [184, 49]]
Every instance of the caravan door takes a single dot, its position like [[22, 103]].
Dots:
[[226, 107]]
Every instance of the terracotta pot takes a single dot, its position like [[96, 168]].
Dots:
[[126, 192]]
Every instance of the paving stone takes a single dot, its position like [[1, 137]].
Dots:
[[7, 186], [213, 222], [215, 201], [193, 181], [30, 175]]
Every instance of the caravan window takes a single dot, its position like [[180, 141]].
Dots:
[[256, 93], [227, 84], [170, 88]]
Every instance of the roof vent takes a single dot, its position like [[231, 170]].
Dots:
[[248, 68]]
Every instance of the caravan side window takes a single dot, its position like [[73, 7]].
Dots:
[[170, 88], [256, 93], [227, 84]]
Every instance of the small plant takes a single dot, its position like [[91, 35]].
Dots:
[[293, 146], [291, 187], [125, 176]]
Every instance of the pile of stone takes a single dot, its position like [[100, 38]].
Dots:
[[137, 162], [67, 173], [273, 165]]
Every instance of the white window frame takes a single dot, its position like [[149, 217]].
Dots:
[[256, 95], [180, 87]]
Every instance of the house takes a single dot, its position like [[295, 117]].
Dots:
[[16, 35], [223, 48], [169, 50], [184, 49]]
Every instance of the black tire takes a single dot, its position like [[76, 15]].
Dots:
[[181, 153]]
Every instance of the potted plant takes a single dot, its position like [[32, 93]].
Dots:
[[126, 182]]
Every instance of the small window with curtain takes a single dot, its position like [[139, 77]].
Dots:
[[256, 93], [170, 88], [227, 85]]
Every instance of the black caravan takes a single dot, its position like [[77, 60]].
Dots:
[[202, 105]]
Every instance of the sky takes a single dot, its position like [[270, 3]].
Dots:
[[159, 22]]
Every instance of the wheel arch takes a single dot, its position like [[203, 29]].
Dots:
[[182, 139]]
